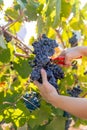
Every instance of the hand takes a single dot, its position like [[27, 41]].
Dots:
[[47, 91], [70, 54]]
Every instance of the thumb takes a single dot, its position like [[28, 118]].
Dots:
[[44, 75], [68, 61]]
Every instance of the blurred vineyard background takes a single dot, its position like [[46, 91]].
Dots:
[[21, 23]]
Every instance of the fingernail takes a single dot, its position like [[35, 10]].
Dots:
[[42, 70]]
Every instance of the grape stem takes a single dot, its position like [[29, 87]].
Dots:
[[9, 103], [9, 24], [21, 55], [59, 36], [22, 45]]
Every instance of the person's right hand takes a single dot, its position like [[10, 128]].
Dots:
[[70, 54]]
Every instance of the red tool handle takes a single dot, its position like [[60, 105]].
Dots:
[[61, 60]]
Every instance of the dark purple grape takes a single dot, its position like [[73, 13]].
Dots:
[[35, 75], [57, 71], [73, 41], [8, 38]]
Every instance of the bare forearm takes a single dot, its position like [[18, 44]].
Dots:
[[75, 106], [83, 50]]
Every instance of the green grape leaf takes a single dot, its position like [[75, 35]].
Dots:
[[22, 121], [40, 25], [75, 7], [40, 8], [1, 1], [1, 118], [31, 12], [33, 3], [58, 123], [17, 7], [2, 42], [75, 25], [5, 55], [22, 107], [12, 13], [48, 22], [57, 111], [3, 107], [11, 97], [42, 127], [8, 120], [50, 7], [23, 68], [22, 3], [58, 11], [38, 119], [65, 9], [84, 12]]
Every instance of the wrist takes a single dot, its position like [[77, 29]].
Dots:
[[55, 100]]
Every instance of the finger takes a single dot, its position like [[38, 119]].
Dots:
[[44, 75], [37, 84], [63, 53], [67, 61]]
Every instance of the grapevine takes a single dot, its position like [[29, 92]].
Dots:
[[20, 102]]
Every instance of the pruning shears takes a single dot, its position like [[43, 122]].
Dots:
[[61, 60]]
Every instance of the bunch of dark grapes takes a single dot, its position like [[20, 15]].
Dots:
[[43, 49], [7, 37], [31, 100], [73, 40], [75, 91]]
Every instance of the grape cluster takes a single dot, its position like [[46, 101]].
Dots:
[[43, 50], [7, 37], [31, 100], [75, 91], [73, 40]]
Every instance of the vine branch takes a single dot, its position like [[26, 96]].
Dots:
[[22, 46], [59, 36], [21, 55]]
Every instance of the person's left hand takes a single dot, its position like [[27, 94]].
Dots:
[[47, 91]]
